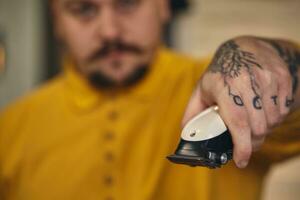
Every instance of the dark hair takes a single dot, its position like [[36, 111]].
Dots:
[[178, 6]]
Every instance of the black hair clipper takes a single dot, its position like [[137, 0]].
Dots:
[[205, 141]]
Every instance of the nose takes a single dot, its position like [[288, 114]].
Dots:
[[109, 26]]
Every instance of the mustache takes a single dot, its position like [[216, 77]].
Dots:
[[110, 46], [102, 81]]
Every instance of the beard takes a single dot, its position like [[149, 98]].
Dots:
[[100, 80]]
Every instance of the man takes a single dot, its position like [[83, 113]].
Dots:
[[102, 129]]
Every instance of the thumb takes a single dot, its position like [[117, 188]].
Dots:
[[194, 107]]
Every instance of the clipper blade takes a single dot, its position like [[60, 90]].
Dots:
[[193, 161]]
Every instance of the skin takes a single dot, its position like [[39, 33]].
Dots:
[[84, 27], [259, 93], [263, 76]]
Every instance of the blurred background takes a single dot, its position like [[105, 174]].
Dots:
[[28, 54]]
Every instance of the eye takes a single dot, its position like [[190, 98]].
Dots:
[[83, 10], [127, 5]]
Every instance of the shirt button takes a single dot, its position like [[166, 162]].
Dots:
[[109, 135], [108, 180], [113, 115], [109, 156]]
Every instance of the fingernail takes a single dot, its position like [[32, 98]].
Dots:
[[242, 164]]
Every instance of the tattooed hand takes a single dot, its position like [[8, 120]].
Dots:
[[255, 83]]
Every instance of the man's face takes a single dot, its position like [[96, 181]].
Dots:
[[111, 38]]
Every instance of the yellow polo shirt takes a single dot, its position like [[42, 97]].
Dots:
[[67, 141]]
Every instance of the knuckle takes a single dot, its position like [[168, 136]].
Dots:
[[284, 74], [260, 130], [219, 86], [267, 77], [205, 83]]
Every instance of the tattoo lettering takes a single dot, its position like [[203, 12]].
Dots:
[[274, 98], [291, 57], [238, 100], [289, 102], [229, 61], [257, 103]]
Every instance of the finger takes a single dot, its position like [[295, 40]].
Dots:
[[251, 95], [256, 114], [270, 102], [195, 106], [285, 93], [236, 119]]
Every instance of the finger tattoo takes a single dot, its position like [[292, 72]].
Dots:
[[289, 102], [238, 100], [274, 98], [257, 103]]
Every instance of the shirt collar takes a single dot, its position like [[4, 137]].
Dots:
[[85, 97]]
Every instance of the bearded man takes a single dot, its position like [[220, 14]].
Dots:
[[103, 127]]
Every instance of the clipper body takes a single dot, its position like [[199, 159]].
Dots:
[[205, 141]]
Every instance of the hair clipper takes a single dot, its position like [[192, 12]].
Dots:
[[205, 141]]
